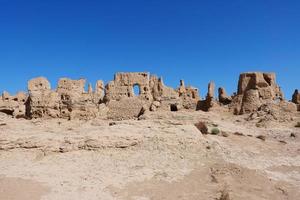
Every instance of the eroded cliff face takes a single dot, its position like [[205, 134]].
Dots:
[[117, 100]]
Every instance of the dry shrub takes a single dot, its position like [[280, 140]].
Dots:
[[202, 127], [224, 195]]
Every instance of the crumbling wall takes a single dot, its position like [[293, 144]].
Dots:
[[69, 101], [42, 101], [167, 97], [123, 86], [254, 90], [296, 99], [189, 96], [210, 101], [13, 105], [224, 99], [154, 95], [120, 98], [75, 102], [116, 100]]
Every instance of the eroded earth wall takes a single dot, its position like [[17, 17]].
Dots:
[[118, 100]]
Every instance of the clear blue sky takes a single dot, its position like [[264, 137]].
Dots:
[[194, 40]]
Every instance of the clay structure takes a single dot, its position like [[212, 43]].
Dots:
[[117, 99]]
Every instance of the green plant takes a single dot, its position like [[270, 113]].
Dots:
[[215, 131]]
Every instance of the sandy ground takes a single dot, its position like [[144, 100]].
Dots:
[[162, 157]]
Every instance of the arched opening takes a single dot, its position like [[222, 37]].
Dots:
[[173, 107], [136, 90]]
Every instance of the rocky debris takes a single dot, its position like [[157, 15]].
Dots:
[[281, 112], [293, 135], [238, 134], [223, 97], [261, 137], [154, 106], [282, 142], [224, 134]]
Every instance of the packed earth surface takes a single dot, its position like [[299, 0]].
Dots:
[[162, 157]]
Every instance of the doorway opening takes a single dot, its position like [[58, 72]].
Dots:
[[136, 90], [173, 107]]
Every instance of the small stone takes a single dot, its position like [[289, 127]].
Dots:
[[224, 134], [238, 134], [261, 137], [112, 123], [293, 135]]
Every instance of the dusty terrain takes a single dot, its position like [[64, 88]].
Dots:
[[161, 157]]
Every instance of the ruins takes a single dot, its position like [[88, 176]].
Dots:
[[117, 100], [296, 99]]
